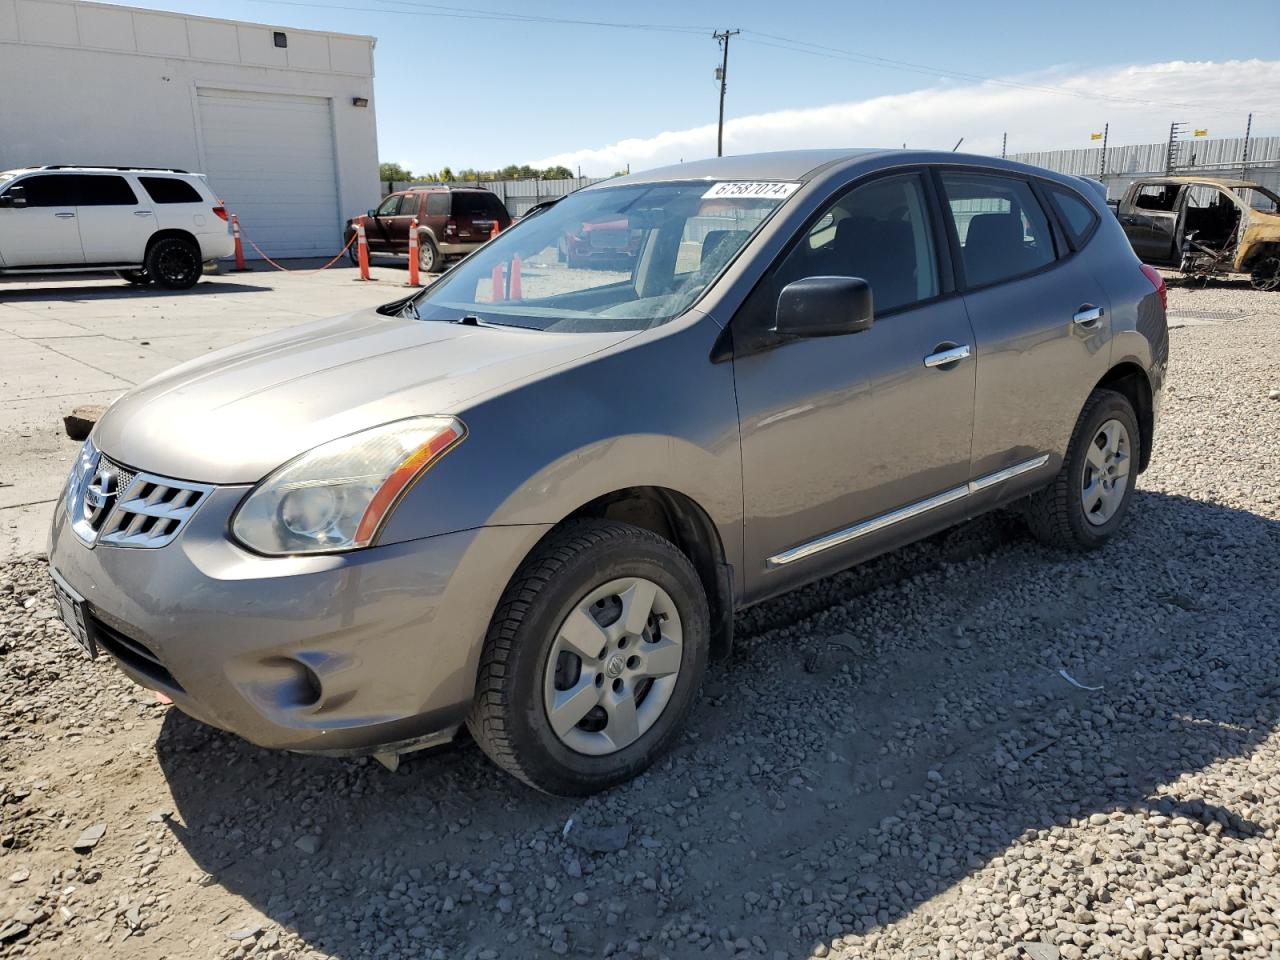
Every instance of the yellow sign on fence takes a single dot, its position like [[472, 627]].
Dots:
[[1202, 133], [1095, 136]]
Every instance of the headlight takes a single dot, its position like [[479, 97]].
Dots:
[[81, 472], [337, 496]]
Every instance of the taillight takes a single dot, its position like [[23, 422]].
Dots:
[[1157, 281], [220, 211], [451, 226]]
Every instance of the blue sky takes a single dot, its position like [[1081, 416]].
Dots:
[[473, 92]]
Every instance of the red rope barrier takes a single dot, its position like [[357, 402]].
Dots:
[[344, 249]]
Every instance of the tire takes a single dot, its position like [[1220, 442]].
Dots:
[[353, 254], [174, 263], [1073, 514], [1265, 275], [138, 278], [519, 681], [429, 260]]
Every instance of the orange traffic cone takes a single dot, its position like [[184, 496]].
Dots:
[[515, 292], [493, 231], [235, 232], [499, 293], [362, 252], [413, 253]]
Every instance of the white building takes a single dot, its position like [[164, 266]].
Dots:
[[280, 120]]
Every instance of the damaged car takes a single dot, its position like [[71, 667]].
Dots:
[[1206, 227]]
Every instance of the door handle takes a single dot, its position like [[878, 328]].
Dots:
[[948, 356], [65, 216], [142, 213], [1088, 315]]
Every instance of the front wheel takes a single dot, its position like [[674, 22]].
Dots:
[[174, 263], [593, 659], [1087, 501]]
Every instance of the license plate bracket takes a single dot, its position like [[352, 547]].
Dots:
[[72, 610]]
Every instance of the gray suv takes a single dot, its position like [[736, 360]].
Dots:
[[531, 497]]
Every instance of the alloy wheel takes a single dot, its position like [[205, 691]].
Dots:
[[1106, 472], [613, 666]]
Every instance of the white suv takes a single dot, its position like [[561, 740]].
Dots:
[[148, 225]]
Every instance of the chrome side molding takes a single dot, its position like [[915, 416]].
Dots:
[[875, 524]]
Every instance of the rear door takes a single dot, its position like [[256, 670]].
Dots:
[[114, 224], [1041, 320], [476, 212], [46, 231], [1151, 221]]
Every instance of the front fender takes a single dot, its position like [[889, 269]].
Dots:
[[654, 411]]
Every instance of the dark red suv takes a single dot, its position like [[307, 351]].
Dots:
[[452, 221]]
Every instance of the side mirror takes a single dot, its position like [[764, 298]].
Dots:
[[371, 213], [824, 307], [16, 197]]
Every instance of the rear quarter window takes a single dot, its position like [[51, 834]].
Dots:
[[170, 190], [1078, 217], [437, 204], [476, 205]]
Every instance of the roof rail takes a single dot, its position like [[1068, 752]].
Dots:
[[102, 166]]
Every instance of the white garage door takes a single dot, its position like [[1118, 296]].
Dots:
[[270, 157]]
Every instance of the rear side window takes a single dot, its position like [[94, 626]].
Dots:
[[170, 190], [437, 204], [1078, 217], [104, 190], [1002, 229], [1157, 196], [49, 190]]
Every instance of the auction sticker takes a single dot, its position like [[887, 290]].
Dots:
[[753, 189]]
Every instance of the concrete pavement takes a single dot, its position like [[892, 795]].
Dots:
[[67, 342]]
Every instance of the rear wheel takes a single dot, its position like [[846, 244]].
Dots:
[[593, 659], [174, 263], [353, 254], [138, 278], [429, 260], [1088, 499]]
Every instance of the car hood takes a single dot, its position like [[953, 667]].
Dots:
[[235, 415]]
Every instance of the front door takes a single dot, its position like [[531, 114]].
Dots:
[[114, 226], [853, 443], [44, 232], [378, 235]]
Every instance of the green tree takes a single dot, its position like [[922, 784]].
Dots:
[[446, 174], [393, 171], [557, 173]]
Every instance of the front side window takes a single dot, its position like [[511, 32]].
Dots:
[[103, 190], [610, 258], [390, 206], [169, 190], [879, 232], [49, 190], [1259, 198], [1002, 229]]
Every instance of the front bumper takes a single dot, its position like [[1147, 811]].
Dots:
[[341, 654]]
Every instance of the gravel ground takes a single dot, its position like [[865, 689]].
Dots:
[[893, 763]]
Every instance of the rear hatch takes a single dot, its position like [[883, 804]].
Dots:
[[475, 213]]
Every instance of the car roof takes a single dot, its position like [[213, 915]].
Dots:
[[1225, 182], [77, 168], [804, 165], [445, 188]]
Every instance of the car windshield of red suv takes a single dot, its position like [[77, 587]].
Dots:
[[613, 258]]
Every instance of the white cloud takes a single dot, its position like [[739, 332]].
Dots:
[[1205, 94]]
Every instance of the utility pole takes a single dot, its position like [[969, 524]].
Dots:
[[1102, 161], [1244, 156], [1171, 157], [722, 73], [1004, 144]]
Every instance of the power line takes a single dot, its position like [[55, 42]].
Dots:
[[723, 72]]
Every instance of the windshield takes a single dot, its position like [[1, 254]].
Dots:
[[612, 258], [1260, 198]]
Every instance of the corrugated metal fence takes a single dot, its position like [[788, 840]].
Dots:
[[518, 195], [1124, 164]]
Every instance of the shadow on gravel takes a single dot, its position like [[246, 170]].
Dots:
[[70, 292], [825, 789]]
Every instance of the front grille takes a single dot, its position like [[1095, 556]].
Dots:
[[151, 510], [130, 651]]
